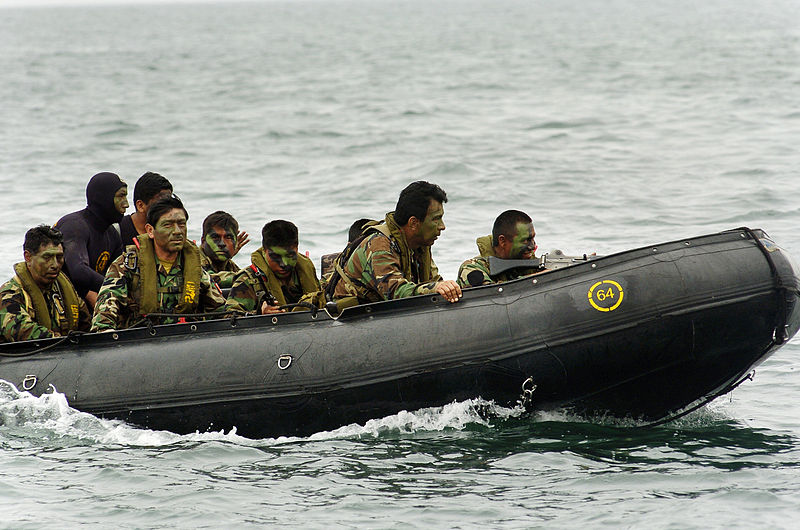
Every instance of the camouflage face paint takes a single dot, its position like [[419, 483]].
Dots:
[[433, 224], [45, 264], [219, 244], [282, 260], [523, 245], [169, 234], [121, 199]]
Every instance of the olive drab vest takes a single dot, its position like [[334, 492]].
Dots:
[[68, 312], [422, 256], [485, 246], [305, 273], [145, 288], [424, 271]]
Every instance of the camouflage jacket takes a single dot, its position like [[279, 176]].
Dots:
[[382, 267], [18, 319], [251, 283], [120, 299], [222, 276], [481, 264]]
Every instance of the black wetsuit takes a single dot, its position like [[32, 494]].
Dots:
[[90, 242], [127, 231]]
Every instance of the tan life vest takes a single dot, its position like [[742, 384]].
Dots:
[[34, 297], [148, 277], [306, 273], [485, 247]]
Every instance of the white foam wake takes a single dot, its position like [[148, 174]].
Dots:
[[50, 415], [453, 416]]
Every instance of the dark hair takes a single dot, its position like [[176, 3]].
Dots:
[[356, 229], [41, 235], [415, 199], [279, 233], [506, 224], [148, 186], [221, 219], [162, 206]]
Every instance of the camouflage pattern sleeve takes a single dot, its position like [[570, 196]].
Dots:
[[16, 322], [211, 299], [242, 297], [375, 265], [470, 266], [223, 278], [111, 310]]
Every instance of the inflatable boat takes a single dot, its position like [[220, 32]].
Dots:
[[646, 334]]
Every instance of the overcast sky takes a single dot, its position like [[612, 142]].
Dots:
[[37, 3]]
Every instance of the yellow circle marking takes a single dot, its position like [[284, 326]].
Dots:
[[608, 291]]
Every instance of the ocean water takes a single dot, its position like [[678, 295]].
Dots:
[[615, 124]]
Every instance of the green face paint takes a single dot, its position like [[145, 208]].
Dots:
[[433, 224], [219, 244], [169, 234], [45, 264], [523, 245], [282, 260], [121, 199]]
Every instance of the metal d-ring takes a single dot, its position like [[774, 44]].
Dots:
[[29, 382], [284, 361], [528, 387]]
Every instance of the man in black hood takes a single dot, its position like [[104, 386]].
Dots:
[[91, 243]]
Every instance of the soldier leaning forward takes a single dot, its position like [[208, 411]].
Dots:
[[394, 260], [40, 301], [143, 280]]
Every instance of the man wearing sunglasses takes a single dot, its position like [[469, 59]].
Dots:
[[512, 238]]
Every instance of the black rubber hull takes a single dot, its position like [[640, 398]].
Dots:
[[692, 319]]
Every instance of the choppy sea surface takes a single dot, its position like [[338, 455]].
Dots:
[[615, 124]]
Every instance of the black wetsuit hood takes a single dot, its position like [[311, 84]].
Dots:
[[100, 196]]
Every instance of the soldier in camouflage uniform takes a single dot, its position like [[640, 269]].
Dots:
[[512, 238], [220, 244], [161, 273], [277, 276], [394, 260], [40, 301]]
